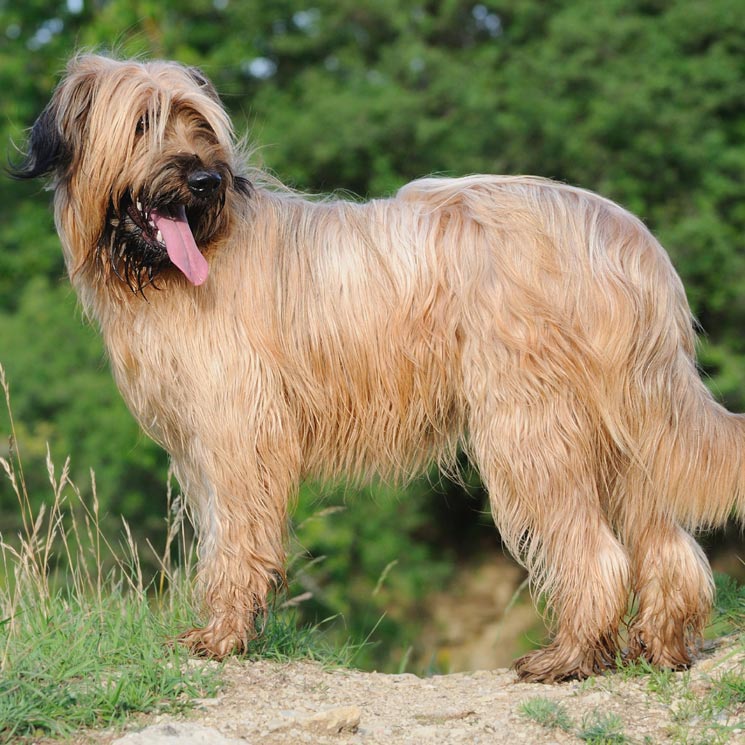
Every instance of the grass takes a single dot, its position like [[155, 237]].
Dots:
[[597, 728], [81, 664], [85, 639], [547, 713], [729, 607], [602, 729]]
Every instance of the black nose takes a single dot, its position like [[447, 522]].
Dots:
[[203, 183]]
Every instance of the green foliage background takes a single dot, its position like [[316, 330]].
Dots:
[[642, 100]]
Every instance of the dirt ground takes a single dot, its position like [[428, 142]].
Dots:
[[283, 704]]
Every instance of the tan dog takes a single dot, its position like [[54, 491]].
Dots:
[[262, 337]]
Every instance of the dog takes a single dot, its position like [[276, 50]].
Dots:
[[262, 337]]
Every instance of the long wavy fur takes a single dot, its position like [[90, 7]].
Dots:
[[537, 326]]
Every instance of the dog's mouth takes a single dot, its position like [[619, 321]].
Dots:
[[160, 228], [141, 240], [168, 228]]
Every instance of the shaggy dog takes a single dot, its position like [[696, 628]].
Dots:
[[261, 337]]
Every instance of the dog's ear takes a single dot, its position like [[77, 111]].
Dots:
[[47, 150], [59, 131], [203, 82]]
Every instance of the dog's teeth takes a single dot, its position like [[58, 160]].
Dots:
[[139, 205], [159, 237]]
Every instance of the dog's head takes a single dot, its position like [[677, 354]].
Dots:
[[143, 163]]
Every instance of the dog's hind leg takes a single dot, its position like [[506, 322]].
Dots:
[[682, 473], [688, 474], [538, 458], [674, 588]]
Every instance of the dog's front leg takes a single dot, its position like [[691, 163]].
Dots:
[[241, 522]]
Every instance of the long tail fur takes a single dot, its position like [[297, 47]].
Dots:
[[696, 458]]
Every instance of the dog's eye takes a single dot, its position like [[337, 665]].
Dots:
[[142, 124]]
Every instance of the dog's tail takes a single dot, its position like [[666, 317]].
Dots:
[[696, 457], [688, 449]]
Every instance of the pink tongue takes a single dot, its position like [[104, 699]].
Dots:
[[180, 244]]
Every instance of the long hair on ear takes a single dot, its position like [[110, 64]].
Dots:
[[47, 150]]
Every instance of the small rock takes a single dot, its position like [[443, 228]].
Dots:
[[342, 719], [176, 733], [205, 703]]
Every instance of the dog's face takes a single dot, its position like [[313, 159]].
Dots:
[[143, 162]]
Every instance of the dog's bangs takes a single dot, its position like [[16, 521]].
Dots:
[[204, 108], [152, 121], [119, 131], [154, 118]]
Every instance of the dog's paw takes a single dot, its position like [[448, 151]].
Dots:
[[674, 653], [555, 663], [216, 640]]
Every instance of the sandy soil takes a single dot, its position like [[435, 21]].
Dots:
[[282, 704]]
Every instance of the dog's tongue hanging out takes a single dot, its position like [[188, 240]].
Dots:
[[180, 244]]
